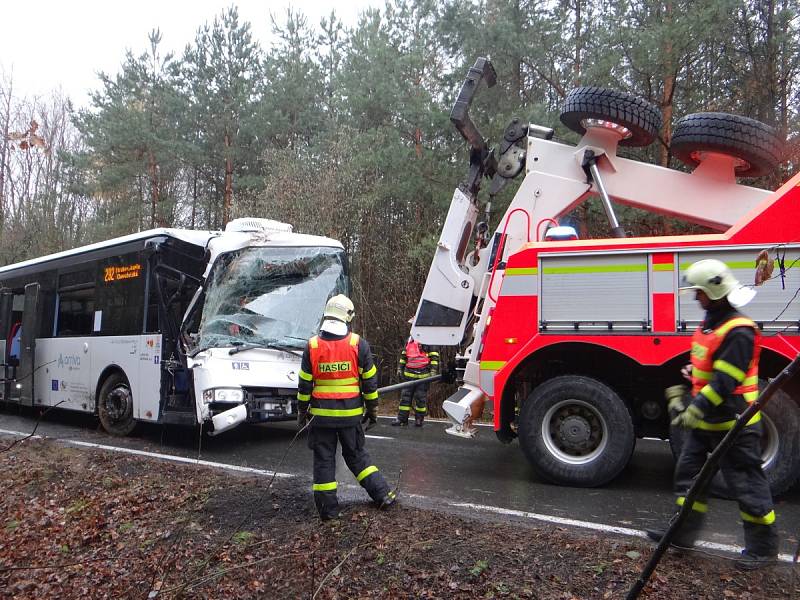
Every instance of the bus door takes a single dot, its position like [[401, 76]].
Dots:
[[6, 307], [22, 389]]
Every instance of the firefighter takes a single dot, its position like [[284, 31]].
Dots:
[[724, 376], [416, 362], [337, 390]]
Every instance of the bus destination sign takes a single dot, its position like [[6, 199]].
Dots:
[[111, 274]]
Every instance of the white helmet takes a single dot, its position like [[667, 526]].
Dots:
[[717, 281], [340, 308]]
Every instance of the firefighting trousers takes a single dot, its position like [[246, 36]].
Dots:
[[741, 468], [416, 394], [323, 442]]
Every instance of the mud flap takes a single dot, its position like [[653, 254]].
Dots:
[[228, 419]]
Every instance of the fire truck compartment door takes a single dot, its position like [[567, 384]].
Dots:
[[586, 292], [773, 306]]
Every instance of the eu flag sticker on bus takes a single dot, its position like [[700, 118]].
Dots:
[[54, 385], [241, 366]]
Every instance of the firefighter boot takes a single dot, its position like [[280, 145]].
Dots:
[[418, 419], [388, 500], [760, 546], [686, 535], [400, 421]]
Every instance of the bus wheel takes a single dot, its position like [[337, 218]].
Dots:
[[115, 405], [575, 430], [780, 446]]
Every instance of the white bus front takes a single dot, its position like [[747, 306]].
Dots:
[[260, 306]]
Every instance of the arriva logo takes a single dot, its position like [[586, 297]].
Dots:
[[71, 361]]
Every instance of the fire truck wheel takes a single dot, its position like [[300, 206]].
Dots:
[[635, 119], [779, 446], [756, 146], [575, 430], [115, 405]]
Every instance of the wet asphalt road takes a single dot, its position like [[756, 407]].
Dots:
[[438, 467]]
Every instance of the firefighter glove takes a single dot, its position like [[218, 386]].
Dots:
[[370, 418], [690, 418], [302, 417], [676, 405]]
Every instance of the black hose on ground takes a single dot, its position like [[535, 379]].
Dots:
[[708, 471]]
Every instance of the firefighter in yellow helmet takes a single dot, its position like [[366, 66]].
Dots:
[[724, 376], [338, 389]]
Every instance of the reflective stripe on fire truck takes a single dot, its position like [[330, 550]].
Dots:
[[629, 268], [520, 281], [487, 372], [663, 278]]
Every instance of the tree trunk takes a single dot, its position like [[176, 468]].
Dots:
[[669, 92], [228, 199], [194, 198], [767, 108], [4, 153], [155, 220], [578, 48]]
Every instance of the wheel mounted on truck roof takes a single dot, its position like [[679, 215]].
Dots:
[[756, 146], [635, 119], [779, 450], [577, 431]]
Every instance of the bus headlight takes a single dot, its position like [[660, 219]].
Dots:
[[223, 395]]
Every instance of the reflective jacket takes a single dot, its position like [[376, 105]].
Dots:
[[725, 370], [414, 368], [337, 376]]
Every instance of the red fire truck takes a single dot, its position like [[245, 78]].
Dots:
[[574, 341]]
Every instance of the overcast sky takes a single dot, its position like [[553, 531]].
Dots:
[[64, 43]]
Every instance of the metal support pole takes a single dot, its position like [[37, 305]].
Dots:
[[618, 231], [405, 384], [707, 472], [589, 166]]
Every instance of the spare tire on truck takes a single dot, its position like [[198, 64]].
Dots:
[[757, 147], [780, 446], [575, 430], [635, 119]]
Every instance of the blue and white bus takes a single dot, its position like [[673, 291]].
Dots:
[[168, 325]]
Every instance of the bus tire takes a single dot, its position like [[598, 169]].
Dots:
[[780, 446], [641, 118], [115, 405], [575, 430], [757, 145]]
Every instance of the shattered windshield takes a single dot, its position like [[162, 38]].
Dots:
[[270, 296]]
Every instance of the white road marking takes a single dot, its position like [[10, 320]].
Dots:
[[168, 457], [596, 526], [378, 437], [445, 421], [480, 507]]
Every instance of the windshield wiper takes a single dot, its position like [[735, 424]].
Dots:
[[240, 346]]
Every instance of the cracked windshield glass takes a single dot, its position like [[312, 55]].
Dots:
[[270, 296]]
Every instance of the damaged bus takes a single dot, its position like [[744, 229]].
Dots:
[[169, 325]]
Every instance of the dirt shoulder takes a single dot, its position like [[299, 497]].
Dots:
[[81, 523]]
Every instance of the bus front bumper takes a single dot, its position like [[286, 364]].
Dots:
[[228, 419]]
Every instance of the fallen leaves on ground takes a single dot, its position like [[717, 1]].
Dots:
[[80, 523]]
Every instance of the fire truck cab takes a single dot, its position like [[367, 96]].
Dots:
[[573, 341]]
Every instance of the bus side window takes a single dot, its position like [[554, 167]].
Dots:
[[75, 312]]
